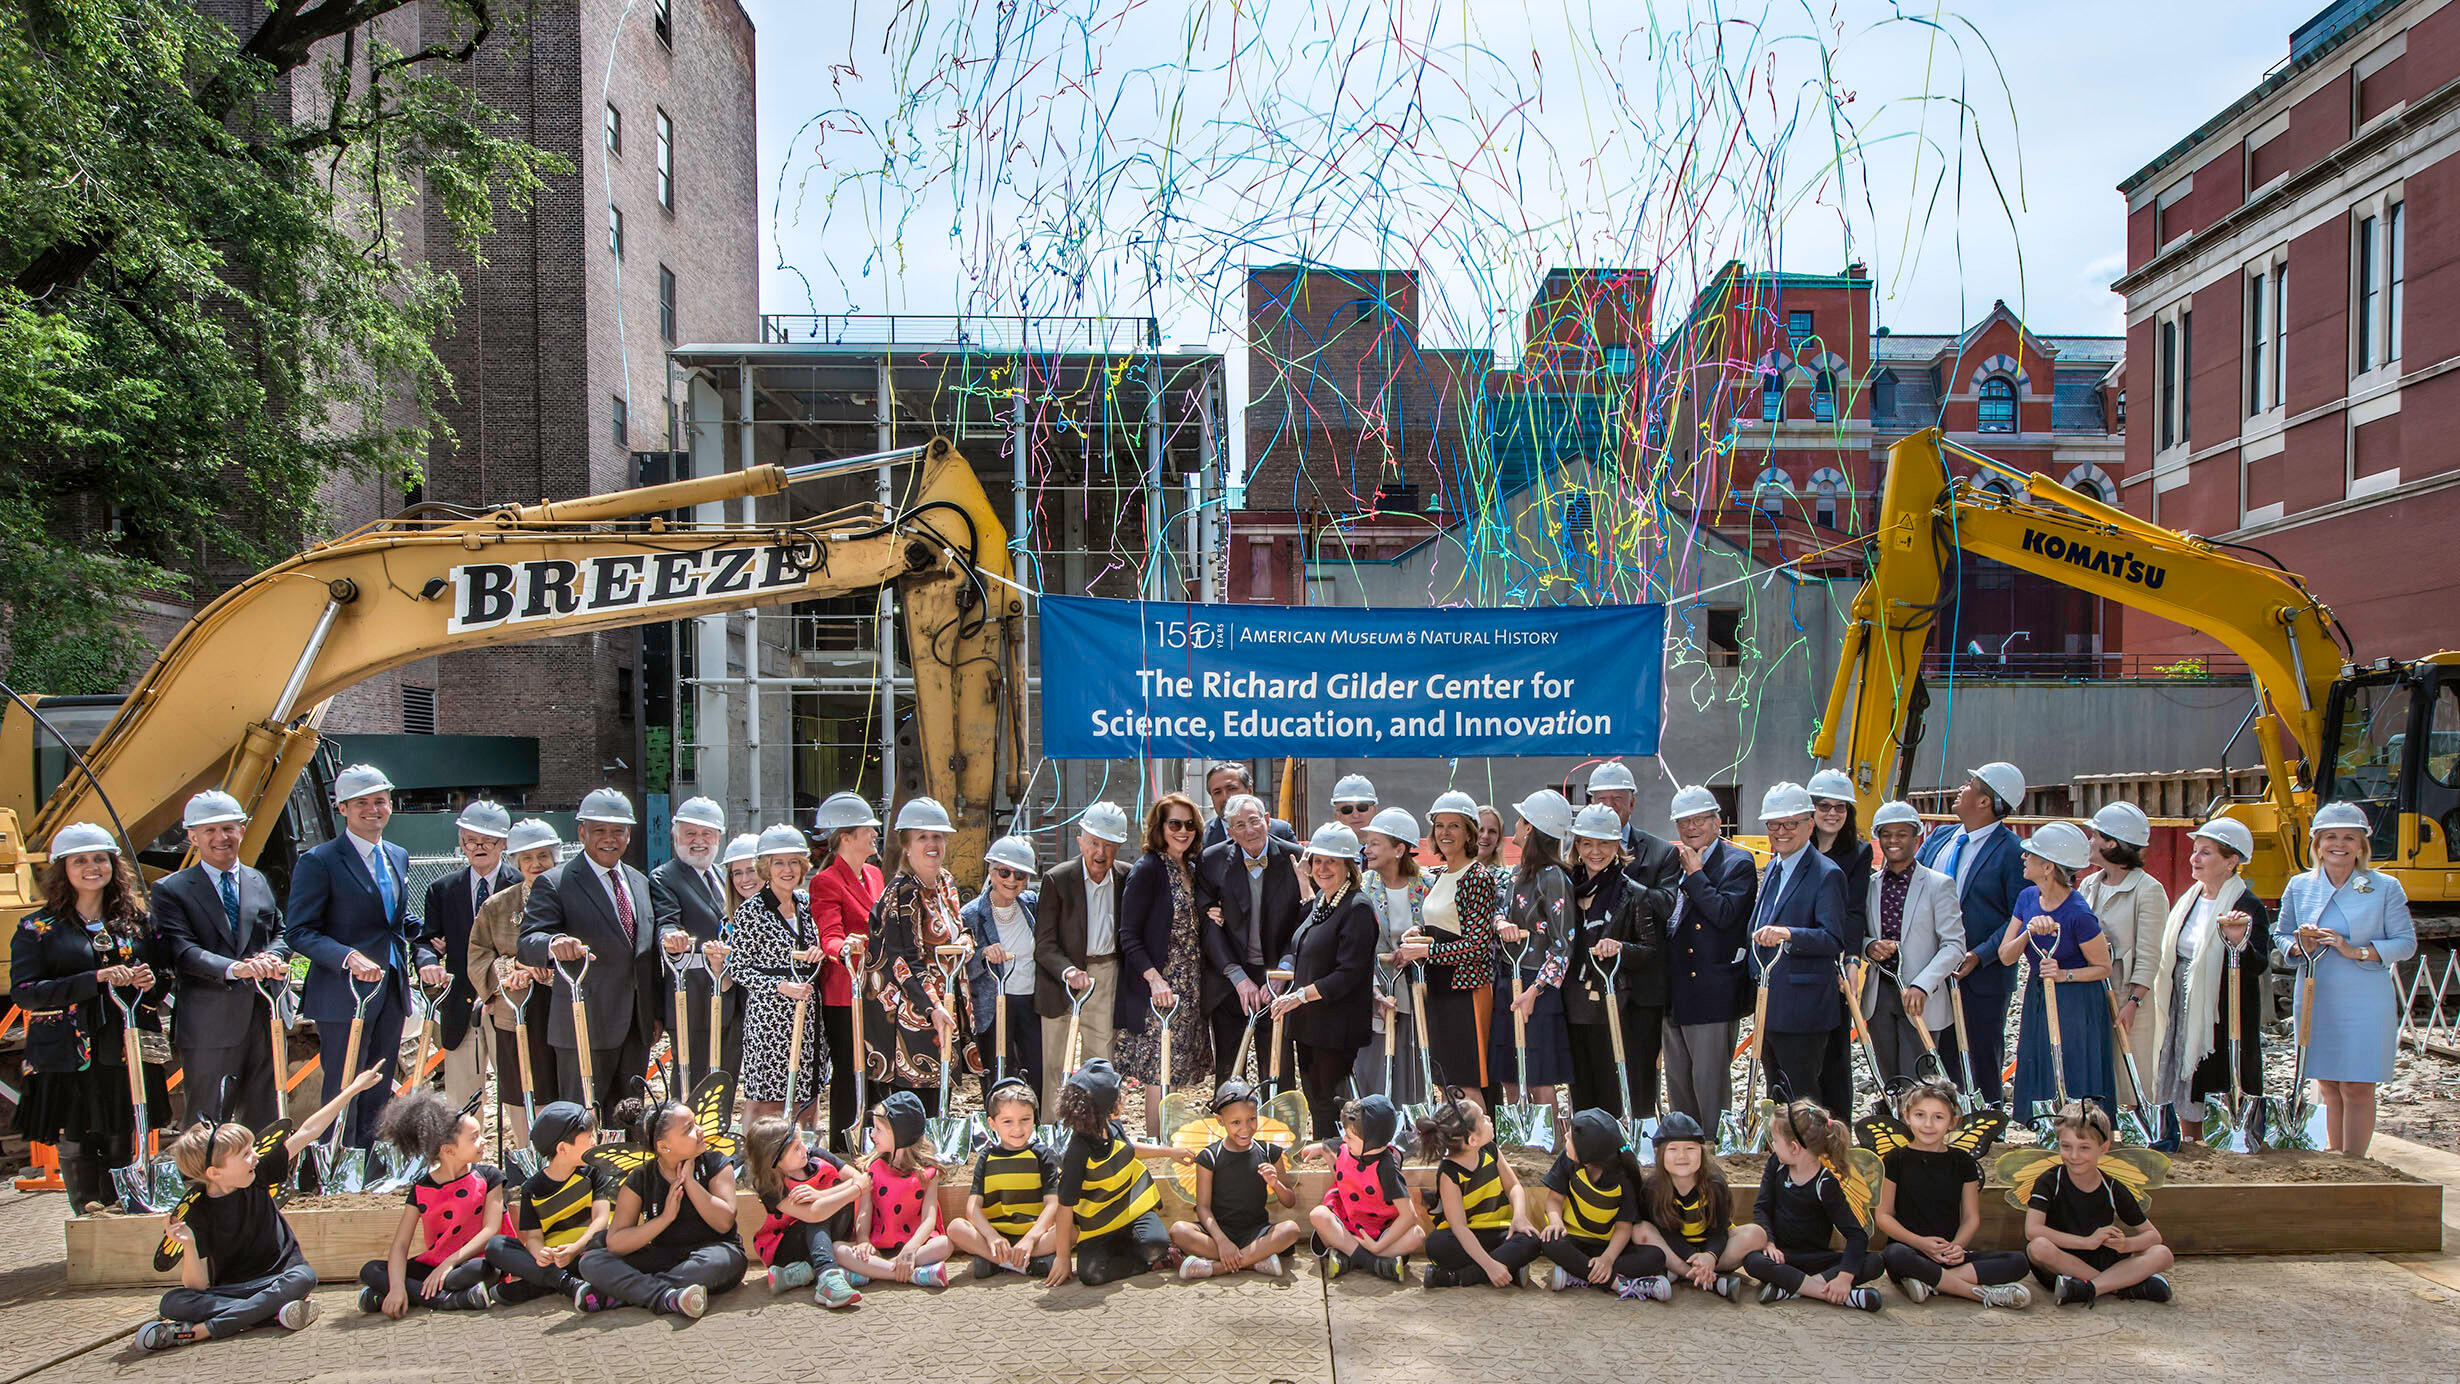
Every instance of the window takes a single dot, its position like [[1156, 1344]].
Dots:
[[1883, 397], [1723, 632], [418, 710], [666, 305], [2369, 291], [614, 129], [1576, 512], [1259, 570], [666, 161], [2090, 489], [1823, 397], [662, 20], [1771, 489], [623, 422], [2396, 269], [1828, 488], [1798, 326], [623, 694], [2186, 378], [1618, 360], [2169, 385], [1997, 410], [1772, 397], [2258, 337], [615, 229], [2280, 335]]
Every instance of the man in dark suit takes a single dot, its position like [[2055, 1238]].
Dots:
[[1254, 875], [596, 908], [688, 895], [1225, 781], [1076, 946], [219, 933], [452, 903], [350, 917], [1802, 909], [1984, 859], [1710, 981]]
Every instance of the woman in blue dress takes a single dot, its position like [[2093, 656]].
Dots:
[[2354, 926], [2058, 932]]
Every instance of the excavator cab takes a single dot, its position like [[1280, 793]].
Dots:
[[2394, 733]]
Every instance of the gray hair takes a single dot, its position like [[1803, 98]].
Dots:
[[1247, 776], [1242, 802]]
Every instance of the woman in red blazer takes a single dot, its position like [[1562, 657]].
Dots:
[[843, 890]]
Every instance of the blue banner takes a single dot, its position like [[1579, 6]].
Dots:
[[1136, 679]]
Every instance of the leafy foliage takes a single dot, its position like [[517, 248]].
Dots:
[[210, 309]]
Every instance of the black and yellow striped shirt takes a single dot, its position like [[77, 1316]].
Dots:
[[558, 1208], [1104, 1185], [1012, 1184], [1591, 1207], [1483, 1199]]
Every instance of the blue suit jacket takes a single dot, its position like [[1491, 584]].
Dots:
[[1989, 884], [335, 910], [1803, 994]]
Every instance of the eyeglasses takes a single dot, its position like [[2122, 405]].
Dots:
[[1353, 809], [1178, 824]]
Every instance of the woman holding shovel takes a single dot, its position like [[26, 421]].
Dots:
[[776, 958], [67, 958], [909, 1010], [524, 1064], [2058, 933], [1536, 928], [2213, 917], [1455, 940], [843, 892], [1610, 915], [1163, 956]]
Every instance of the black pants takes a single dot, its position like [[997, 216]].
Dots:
[[227, 1309], [1453, 1266], [233, 1083], [1986, 1025], [1995, 1266], [1836, 1073], [524, 1277], [1638, 1261], [1321, 1074], [613, 1070], [652, 1271], [467, 1274], [1123, 1253], [813, 1243], [1593, 1077], [1807, 1263], [1024, 1056], [546, 1081], [379, 1046], [837, 1029], [1798, 1067]]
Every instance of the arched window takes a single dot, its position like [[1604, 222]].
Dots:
[[1998, 405], [1823, 397], [2093, 483], [1772, 489], [1997, 485], [1829, 498]]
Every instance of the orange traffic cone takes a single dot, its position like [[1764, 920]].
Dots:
[[46, 1171]]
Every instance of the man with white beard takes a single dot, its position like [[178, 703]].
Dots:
[[688, 896]]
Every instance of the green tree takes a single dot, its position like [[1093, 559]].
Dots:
[[206, 308]]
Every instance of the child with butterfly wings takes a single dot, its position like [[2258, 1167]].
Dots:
[[1930, 1199], [672, 1241], [2085, 1226]]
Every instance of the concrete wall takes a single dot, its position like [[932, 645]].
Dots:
[[2057, 730]]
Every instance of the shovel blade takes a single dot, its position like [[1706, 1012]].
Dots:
[[2295, 1126], [135, 1184], [1532, 1126], [524, 1162], [348, 1172], [1642, 1136], [2131, 1128], [952, 1138]]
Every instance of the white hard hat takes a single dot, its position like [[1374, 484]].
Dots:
[[1107, 820], [743, 847], [1832, 785], [2230, 832], [783, 840], [1785, 800], [1456, 802], [1691, 802], [1353, 788], [358, 781], [1396, 823], [211, 806], [1015, 852], [1546, 811], [1335, 840], [2123, 822], [2004, 780], [923, 814], [843, 810], [529, 834], [2339, 815], [608, 806], [1613, 776], [1598, 822], [701, 812], [486, 818], [2060, 843], [1896, 812], [77, 838]]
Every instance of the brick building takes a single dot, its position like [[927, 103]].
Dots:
[[2293, 324]]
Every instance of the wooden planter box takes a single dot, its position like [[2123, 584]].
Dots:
[[2403, 1217]]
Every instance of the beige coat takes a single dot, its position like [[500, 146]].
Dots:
[[495, 934], [2134, 914]]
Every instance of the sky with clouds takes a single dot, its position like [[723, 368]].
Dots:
[[1103, 157]]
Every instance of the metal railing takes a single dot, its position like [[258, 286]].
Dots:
[[919, 331], [2438, 1032], [2087, 666]]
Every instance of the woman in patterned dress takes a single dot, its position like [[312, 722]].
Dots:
[[1164, 957], [908, 1010], [1456, 941], [776, 955]]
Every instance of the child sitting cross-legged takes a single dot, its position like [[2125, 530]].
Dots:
[[2085, 1232], [1482, 1232], [1012, 1213], [565, 1207], [1593, 1216], [897, 1227], [1366, 1220], [457, 1205], [1234, 1228], [810, 1197]]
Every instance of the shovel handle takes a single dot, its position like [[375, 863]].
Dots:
[[581, 1051], [683, 1023], [794, 1061], [1284, 978]]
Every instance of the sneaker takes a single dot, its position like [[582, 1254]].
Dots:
[[931, 1275], [1655, 1287], [2073, 1290], [1435, 1278], [1726, 1286], [586, 1299], [1037, 1267], [1863, 1299], [858, 1280], [1625, 1289], [473, 1299], [295, 1316], [691, 1300], [1387, 1267], [984, 1268], [1333, 1264], [794, 1273], [2153, 1289], [1269, 1266], [1914, 1289], [1770, 1292], [833, 1291], [1169, 1262], [2014, 1295], [1560, 1279], [1194, 1267], [371, 1301], [162, 1335]]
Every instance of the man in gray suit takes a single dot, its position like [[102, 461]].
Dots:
[[1917, 935], [688, 894], [219, 932], [596, 908]]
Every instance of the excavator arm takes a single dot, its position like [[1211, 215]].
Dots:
[[231, 701], [2261, 613]]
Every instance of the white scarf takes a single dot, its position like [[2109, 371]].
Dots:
[[2203, 975]]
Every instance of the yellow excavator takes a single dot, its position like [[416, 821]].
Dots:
[[2385, 736], [235, 698]]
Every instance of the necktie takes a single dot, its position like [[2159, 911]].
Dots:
[[482, 886], [384, 880], [1954, 853], [623, 906], [1769, 894], [717, 891], [230, 902]]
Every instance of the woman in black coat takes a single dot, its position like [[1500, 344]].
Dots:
[[1162, 956], [88, 939], [1330, 1003]]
